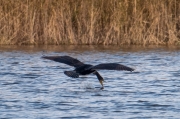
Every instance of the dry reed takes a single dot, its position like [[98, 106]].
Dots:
[[106, 22]]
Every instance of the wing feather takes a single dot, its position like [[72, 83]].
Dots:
[[65, 59], [112, 66]]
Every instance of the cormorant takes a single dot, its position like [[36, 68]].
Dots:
[[84, 69]]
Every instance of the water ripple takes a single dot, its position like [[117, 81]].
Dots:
[[34, 88]]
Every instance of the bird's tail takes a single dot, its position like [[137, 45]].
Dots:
[[72, 74]]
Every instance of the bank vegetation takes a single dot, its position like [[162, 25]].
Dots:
[[90, 22]]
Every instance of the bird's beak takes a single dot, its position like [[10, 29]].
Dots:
[[101, 82], [100, 78]]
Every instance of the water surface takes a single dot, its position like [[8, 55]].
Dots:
[[35, 88]]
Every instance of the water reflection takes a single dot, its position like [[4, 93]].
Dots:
[[31, 87]]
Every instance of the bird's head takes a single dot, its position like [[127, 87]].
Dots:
[[101, 81]]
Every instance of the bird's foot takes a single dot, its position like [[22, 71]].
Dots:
[[102, 88]]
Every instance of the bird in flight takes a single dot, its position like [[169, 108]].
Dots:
[[84, 69]]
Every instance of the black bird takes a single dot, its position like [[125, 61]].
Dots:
[[84, 69]]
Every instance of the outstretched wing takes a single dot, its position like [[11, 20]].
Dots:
[[112, 66], [65, 59]]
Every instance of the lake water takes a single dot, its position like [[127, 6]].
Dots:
[[36, 88]]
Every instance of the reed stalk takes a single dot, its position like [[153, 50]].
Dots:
[[90, 22]]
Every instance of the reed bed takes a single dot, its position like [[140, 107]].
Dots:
[[90, 22]]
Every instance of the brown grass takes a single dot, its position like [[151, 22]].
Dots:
[[106, 22]]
